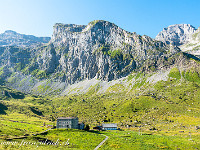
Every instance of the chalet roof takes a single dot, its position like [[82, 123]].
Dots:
[[67, 118], [110, 125]]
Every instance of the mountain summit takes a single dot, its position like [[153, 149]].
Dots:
[[100, 49], [185, 36], [193, 45], [177, 34]]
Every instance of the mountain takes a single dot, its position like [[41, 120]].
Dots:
[[99, 50], [88, 54], [12, 38], [193, 45], [100, 73], [185, 36], [177, 34]]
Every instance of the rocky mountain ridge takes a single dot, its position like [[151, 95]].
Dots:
[[12, 38], [177, 34], [193, 45], [100, 50], [185, 36]]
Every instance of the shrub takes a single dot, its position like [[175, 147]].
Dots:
[[175, 73], [117, 54], [87, 127]]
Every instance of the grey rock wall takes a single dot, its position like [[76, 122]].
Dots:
[[177, 34], [99, 50]]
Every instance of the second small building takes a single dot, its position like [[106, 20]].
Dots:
[[110, 126]]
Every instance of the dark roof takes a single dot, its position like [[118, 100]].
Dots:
[[110, 125], [80, 123], [67, 118]]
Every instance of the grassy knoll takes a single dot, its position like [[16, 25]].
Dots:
[[17, 125], [25, 116]]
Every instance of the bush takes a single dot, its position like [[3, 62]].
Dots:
[[87, 127], [117, 54], [175, 73]]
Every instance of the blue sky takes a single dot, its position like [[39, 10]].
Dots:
[[148, 17]]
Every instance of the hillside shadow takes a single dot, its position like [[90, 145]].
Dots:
[[16, 95], [37, 112], [191, 56], [2, 109]]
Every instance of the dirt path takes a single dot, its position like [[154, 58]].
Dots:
[[101, 142]]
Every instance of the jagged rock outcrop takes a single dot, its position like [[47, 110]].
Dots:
[[193, 45], [177, 34], [12, 38], [10, 56], [99, 50]]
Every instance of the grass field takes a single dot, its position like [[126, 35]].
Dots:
[[123, 140], [167, 114], [61, 139], [17, 125], [139, 140]]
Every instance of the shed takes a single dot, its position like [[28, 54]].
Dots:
[[110, 126]]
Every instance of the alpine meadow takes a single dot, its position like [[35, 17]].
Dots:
[[98, 86]]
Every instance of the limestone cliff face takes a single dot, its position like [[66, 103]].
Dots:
[[177, 34], [99, 50]]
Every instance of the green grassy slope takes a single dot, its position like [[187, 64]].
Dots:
[[61, 139], [127, 140], [167, 110]]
